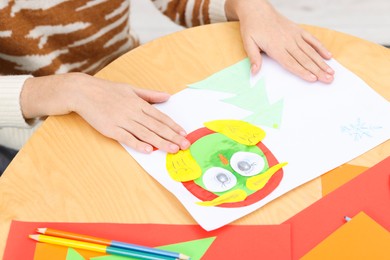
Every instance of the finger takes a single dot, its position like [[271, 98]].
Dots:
[[314, 55], [142, 133], [317, 45], [253, 52], [164, 131], [157, 97], [307, 63], [151, 96], [163, 118], [123, 136], [311, 64], [292, 65]]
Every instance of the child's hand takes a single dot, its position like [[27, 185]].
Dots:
[[116, 110], [264, 29]]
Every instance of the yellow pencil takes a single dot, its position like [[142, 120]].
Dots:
[[97, 248]]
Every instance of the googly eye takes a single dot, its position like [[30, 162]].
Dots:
[[217, 179], [246, 163]]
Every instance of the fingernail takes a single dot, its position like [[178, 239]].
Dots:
[[185, 144], [148, 149], [183, 133], [329, 70], [253, 68], [328, 76], [173, 148], [313, 77]]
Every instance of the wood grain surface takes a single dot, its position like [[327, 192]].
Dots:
[[69, 172]]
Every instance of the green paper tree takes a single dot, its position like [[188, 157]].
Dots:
[[236, 80]]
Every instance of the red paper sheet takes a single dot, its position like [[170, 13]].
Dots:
[[232, 242], [368, 192]]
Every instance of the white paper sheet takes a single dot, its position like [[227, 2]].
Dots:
[[321, 127]]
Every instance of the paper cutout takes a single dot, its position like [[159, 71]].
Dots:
[[227, 79], [309, 137], [359, 238], [368, 192], [195, 248], [232, 242], [234, 165], [45, 251], [237, 195], [339, 176], [255, 99], [259, 181], [73, 255], [182, 166], [251, 96], [237, 130]]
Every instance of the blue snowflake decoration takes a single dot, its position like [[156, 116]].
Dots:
[[359, 130]]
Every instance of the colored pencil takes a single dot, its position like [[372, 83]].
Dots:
[[111, 243], [97, 247]]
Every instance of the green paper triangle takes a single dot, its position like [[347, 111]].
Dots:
[[194, 248], [73, 255]]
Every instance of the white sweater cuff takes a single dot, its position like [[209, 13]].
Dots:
[[10, 110], [217, 11]]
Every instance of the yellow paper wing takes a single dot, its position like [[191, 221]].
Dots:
[[259, 181], [182, 166], [231, 196], [239, 131]]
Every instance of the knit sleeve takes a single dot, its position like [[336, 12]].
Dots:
[[191, 13], [10, 110]]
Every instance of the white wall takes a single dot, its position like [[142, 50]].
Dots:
[[367, 19]]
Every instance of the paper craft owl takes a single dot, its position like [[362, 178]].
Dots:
[[226, 165]]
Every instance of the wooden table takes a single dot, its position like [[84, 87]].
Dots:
[[69, 172]]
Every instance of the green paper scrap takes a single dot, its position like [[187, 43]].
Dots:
[[194, 248], [236, 80], [73, 255]]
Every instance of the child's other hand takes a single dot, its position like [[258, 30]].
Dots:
[[264, 29], [119, 111], [125, 114]]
